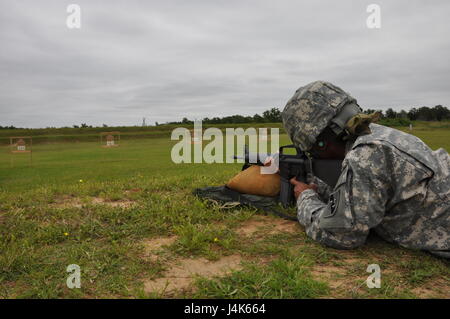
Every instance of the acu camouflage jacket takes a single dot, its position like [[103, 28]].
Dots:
[[391, 183]]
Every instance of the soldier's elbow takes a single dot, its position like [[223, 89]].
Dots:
[[344, 244]]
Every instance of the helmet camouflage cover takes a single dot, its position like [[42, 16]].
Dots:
[[311, 110]]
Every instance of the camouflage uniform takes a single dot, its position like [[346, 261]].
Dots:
[[391, 183]]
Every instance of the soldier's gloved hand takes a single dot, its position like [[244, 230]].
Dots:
[[299, 187]]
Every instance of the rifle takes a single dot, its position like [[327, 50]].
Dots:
[[297, 165]]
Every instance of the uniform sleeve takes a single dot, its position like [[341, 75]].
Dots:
[[323, 189], [356, 204]]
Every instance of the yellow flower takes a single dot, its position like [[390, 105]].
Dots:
[[216, 239], [66, 234], [81, 181]]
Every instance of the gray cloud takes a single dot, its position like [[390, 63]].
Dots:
[[168, 59]]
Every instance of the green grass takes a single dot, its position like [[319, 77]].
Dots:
[[92, 134], [285, 277], [49, 219]]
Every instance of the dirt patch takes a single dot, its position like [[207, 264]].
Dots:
[[267, 226], [152, 247], [74, 202], [66, 201], [330, 274], [156, 243], [133, 190], [346, 278], [119, 203], [434, 289], [180, 274], [286, 226]]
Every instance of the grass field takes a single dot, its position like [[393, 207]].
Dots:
[[127, 217]]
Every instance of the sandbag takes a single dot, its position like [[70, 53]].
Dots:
[[251, 181]]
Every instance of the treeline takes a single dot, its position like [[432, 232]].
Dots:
[[75, 126], [424, 113], [402, 117], [270, 116]]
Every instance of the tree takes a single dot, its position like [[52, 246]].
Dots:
[[273, 115], [258, 118], [391, 114], [413, 114], [425, 114], [186, 121], [402, 114], [369, 111], [441, 113]]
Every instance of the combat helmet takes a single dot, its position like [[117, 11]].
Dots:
[[314, 107]]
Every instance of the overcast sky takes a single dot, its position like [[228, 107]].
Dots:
[[165, 60]]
